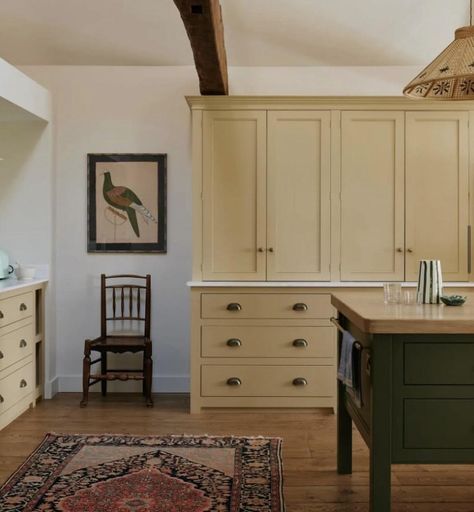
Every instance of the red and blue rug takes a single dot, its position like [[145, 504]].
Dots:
[[118, 473]]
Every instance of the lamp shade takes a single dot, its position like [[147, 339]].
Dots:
[[451, 75]]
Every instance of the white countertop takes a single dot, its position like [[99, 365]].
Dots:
[[7, 285], [307, 284]]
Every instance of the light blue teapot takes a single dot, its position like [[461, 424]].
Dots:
[[5, 268]]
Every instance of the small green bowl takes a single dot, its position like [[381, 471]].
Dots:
[[453, 300]]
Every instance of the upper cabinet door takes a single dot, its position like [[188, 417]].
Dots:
[[298, 195], [437, 192], [372, 196], [234, 195]]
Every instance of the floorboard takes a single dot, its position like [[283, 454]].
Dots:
[[309, 449]]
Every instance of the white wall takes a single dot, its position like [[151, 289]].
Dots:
[[142, 109]]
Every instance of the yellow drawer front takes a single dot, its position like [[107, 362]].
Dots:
[[16, 386], [16, 308], [267, 341], [265, 305], [283, 381], [16, 345]]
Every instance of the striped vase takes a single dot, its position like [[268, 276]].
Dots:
[[430, 282]]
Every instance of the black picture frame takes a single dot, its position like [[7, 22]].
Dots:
[[95, 246]]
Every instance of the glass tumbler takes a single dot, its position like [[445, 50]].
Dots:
[[392, 293]]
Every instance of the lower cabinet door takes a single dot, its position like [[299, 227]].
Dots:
[[16, 386], [439, 423], [258, 380]]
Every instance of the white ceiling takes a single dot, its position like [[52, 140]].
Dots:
[[257, 32]]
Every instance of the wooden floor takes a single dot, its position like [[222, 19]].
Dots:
[[309, 450]]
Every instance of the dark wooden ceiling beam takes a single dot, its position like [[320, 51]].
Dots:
[[203, 22]]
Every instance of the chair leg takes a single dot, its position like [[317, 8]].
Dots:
[[148, 374], [144, 381], [103, 371], [86, 371]]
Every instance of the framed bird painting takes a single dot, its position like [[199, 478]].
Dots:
[[126, 202]]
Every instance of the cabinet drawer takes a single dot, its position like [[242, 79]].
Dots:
[[265, 305], [16, 345], [439, 363], [16, 386], [439, 423], [16, 308], [235, 380], [267, 341]]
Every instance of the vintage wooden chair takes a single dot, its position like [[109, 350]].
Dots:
[[128, 304]]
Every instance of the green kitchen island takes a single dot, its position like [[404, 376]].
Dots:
[[416, 372]]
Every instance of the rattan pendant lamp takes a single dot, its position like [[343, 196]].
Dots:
[[451, 75]]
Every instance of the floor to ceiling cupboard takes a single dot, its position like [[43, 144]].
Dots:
[[293, 196]]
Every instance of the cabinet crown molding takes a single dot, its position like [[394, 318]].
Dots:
[[321, 102]]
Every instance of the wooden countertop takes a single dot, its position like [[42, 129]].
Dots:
[[369, 313]]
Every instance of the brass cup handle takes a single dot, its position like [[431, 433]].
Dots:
[[300, 306], [234, 306], [300, 381], [300, 343], [261, 249], [1, 314], [23, 343], [23, 307], [23, 383], [234, 381], [409, 250], [1, 399], [1, 355], [270, 249], [234, 342], [399, 249]]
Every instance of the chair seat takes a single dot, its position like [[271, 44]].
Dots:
[[119, 343]]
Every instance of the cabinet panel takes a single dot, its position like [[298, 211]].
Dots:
[[372, 196], [234, 195], [437, 189], [298, 222]]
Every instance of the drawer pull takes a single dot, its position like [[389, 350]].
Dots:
[[234, 342], [300, 381], [1, 399], [234, 381], [300, 343], [234, 306], [1, 355], [1, 315], [23, 307], [23, 383], [23, 343], [300, 306]]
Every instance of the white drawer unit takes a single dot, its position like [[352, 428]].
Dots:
[[262, 347], [21, 345]]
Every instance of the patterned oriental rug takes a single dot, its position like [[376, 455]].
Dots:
[[116, 473]]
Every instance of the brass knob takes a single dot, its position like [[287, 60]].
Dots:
[[270, 249], [1, 399], [234, 306], [399, 249], [300, 381], [23, 307], [300, 343], [23, 383], [234, 342], [261, 249], [1, 355], [234, 381], [23, 343], [300, 306], [1, 315], [409, 250]]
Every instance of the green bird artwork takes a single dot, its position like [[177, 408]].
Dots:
[[125, 199]]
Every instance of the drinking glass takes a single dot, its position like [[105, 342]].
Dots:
[[409, 296], [392, 293]]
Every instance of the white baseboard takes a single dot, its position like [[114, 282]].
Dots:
[[51, 388], [161, 384]]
